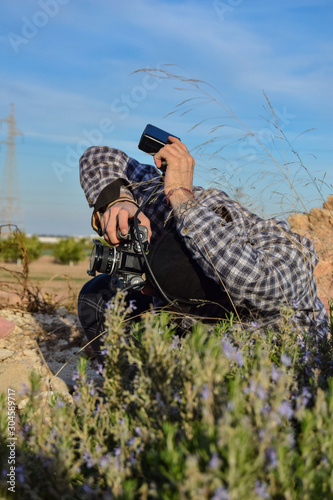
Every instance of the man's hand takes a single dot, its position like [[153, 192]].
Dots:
[[117, 217], [179, 172]]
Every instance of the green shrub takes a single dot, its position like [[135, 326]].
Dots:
[[212, 415], [14, 246], [68, 250]]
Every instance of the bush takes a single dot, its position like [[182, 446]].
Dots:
[[13, 247], [212, 415], [68, 250]]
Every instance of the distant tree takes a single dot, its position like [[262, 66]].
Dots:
[[15, 245], [69, 251], [33, 247]]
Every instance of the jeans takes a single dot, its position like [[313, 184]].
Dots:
[[92, 301]]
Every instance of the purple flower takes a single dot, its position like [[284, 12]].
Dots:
[[177, 397], [24, 390], [275, 374], [99, 369], [77, 396], [286, 360], [265, 410], [60, 403], [176, 343], [104, 460], [250, 388], [54, 433], [214, 461], [20, 473], [304, 398], [261, 392], [306, 356], [232, 352], [92, 391], [132, 305], [221, 493], [206, 392], [76, 375], [132, 458], [271, 457], [260, 489], [117, 451], [131, 441], [159, 399], [256, 389], [87, 489], [138, 431], [97, 410], [90, 462], [286, 410], [254, 324], [230, 406]]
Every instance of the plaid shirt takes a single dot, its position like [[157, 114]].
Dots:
[[260, 264]]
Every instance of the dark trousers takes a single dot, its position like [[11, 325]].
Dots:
[[92, 302]]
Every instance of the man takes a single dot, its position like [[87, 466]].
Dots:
[[254, 267]]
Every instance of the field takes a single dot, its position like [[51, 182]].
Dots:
[[62, 282]]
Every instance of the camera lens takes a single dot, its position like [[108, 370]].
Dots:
[[103, 259]]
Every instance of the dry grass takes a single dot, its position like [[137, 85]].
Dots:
[[55, 283]]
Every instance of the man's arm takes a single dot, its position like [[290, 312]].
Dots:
[[260, 263], [114, 185]]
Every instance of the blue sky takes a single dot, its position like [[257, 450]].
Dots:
[[68, 65]]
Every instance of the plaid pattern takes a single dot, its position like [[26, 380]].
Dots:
[[260, 264]]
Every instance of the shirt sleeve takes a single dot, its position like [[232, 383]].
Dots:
[[100, 166], [259, 262]]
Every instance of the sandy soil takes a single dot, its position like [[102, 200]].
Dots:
[[63, 282]]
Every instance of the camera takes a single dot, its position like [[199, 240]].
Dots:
[[125, 262]]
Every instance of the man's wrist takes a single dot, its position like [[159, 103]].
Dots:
[[178, 195], [119, 200]]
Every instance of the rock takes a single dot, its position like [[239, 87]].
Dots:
[[6, 327], [15, 375], [59, 385], [5, 354], [298, 222], [318, 226], [62, 344], [329, 203], [321, 216], [62, 311]]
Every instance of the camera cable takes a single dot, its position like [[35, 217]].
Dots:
[[136, 226]]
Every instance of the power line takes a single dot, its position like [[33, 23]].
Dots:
[[10, 200]]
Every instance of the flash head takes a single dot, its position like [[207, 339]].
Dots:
[[153, 139]]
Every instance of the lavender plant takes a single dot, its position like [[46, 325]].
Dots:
[[210, 415]]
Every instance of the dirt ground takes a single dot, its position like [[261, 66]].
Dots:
[[62, 282]]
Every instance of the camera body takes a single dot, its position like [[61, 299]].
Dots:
[[125, 262]]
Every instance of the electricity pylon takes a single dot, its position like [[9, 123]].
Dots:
[[10, 199]]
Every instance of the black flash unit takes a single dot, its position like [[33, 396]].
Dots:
[[153, 139]]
